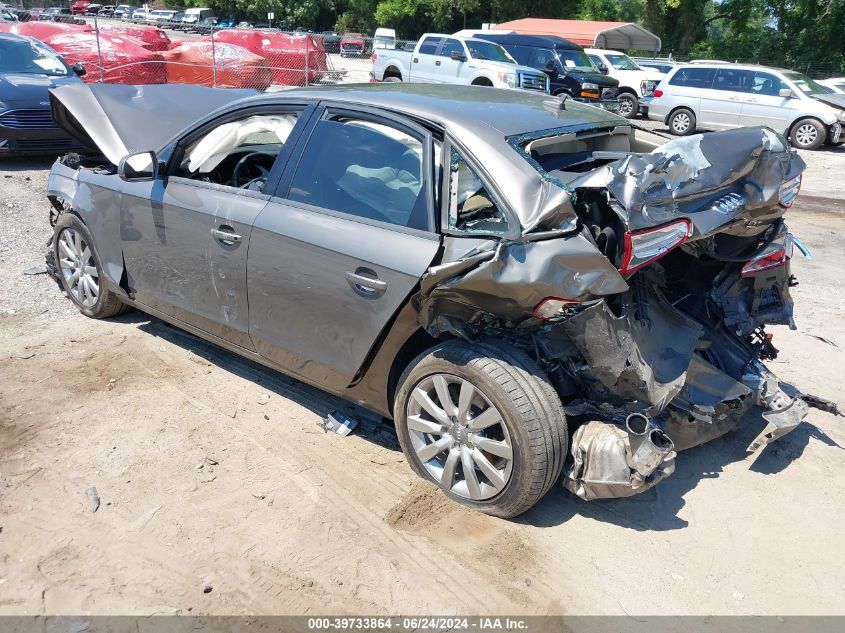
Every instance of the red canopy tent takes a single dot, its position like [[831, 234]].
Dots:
[[152, 39], [191, 62], [125, 61], [614, 35], [285, 54]]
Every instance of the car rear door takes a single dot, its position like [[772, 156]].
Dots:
[[422, 61], [343, 243], [185, 237], [764, 105], [721, 105]]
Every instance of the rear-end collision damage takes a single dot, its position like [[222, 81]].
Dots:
[[648, 308]]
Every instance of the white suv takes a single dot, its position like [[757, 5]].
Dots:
[[635, 82], [718, 96]]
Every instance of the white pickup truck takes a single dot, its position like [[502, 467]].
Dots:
[[456, 60]]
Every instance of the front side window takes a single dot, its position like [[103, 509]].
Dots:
[[472, 209], [449, 47], [238, 153], [692, 77], [363, 168], [767, 84]]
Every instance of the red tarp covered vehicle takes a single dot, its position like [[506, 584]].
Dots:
[[190, 62], [125, 61], [285, 54], [152, 39], [40, 30]]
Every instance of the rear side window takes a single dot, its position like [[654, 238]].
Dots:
[[472, 209], [734, 79], [363, 168], [693, 77], [429, 45]]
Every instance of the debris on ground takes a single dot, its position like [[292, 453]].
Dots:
[[38, 269], [339, 423], [207, 589], [264, 398], [93, 498]]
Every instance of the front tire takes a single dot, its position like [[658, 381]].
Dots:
[[482, 422], [807, 134], [682, 122], [79, 271], [629, 106]]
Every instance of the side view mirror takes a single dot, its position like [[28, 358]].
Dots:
[[79, 69], [550, 68], [786, 93], [603, 69], [458, 57], [138, 167]]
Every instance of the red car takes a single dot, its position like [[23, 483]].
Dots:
[[79, 6], [352, 45]]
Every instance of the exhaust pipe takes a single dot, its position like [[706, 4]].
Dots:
[[649, 445]]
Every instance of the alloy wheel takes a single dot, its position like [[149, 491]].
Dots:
[[626, 106], [459, 436], [681, 122], [79, 269], [806, 134]]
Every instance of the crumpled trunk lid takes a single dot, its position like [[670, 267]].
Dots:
[[117, 119]]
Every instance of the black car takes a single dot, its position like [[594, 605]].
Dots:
[[28, 69], [331, 41], [570, 71]]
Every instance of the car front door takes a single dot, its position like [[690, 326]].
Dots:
[[721, 105], [764, 105], [422, 61], [448, 70], [341, 247], [185, 236]]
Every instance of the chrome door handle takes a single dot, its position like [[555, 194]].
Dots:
[[366, 284], [226, 235], [437, 63]]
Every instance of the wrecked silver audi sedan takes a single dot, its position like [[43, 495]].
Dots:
[[527, 286]]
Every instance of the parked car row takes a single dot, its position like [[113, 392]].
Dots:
[[716, 95]]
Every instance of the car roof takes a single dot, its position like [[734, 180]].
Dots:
[[536, 41], [604, 50], [484, 112], [721, 65]]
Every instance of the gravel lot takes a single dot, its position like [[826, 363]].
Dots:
[[213, 472]]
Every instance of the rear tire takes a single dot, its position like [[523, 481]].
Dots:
[[807, 134], [682, 122], [392, 80], [502, 449], [629, 106], [80, 274]]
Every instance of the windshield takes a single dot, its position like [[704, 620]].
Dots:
[[622, 62], [805, 84], [489, 51], [576, 60], [30, 58]]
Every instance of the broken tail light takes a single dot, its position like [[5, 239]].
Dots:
[[553, 307], [644, 247], [778, 253], [789, 191]]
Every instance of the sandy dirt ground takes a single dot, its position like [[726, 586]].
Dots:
[[213, 473]]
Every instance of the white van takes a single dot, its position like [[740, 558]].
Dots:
[[384, 38], [635, 82], [722, 96], [195, 16]]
